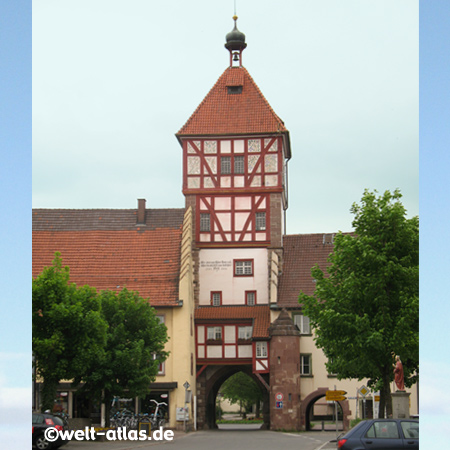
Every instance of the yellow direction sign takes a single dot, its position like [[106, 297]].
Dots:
[[335, 396]]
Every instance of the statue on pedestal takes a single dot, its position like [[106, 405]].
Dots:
[[398, 374]]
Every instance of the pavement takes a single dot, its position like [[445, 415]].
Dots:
[[228, 436]]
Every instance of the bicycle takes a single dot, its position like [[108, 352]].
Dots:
[[157, 419]]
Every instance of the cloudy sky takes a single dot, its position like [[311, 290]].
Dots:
[[113, 81]]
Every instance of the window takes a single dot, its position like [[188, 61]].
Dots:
[[410, 429], [260, 221], [250, 298], [225, 165], [328, 238], [214, 333], [216, 298], [261, 349], [238, 164], [243, 268], [205, 222], [245, 332], [305, 365], [302, 323], [160, 318], [383, 430], [156, 357], [235, 89]]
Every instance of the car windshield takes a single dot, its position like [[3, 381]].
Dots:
[[58, 420], [355, 428], [37, 418]]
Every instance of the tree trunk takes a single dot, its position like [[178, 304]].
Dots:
[[258, 409], [107, 399], [385, 395], [49, 388]]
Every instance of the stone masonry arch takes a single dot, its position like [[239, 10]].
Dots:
[[309, 401], [208, 384]]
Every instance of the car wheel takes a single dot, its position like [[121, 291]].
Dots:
[[42, 443]]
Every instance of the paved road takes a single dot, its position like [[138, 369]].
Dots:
[[228, 437]]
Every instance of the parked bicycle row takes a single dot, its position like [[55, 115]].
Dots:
[[130, 420]]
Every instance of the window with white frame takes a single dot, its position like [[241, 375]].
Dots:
[[305, 365], [216, 298], [225, 165], [260, 221], [261, 349], [205, 222], [160, 318], [245, 332], [302, 323], [161, 365], [214, 333], [243, 267], [238, 164], [250, 298]]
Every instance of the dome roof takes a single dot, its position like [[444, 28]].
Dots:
[[235, 38]]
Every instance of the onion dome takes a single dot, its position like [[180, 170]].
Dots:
[[235, 38]]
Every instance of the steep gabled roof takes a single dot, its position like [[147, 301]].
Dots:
[[222, 113], [301, 253], [259, 315], [107, 250]]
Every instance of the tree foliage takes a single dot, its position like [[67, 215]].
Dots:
[[134, 348], [241, 389], [366, 307], [69, 332], [110, 342]]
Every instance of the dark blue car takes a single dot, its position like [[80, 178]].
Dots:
[[382, 434]]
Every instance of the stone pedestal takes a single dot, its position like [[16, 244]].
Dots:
[[400, 405]]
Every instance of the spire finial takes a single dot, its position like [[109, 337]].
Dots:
[[235, 43]]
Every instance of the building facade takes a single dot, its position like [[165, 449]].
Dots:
[[221, 273]]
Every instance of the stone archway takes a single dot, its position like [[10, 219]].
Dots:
[[208, 384], [308, 403]]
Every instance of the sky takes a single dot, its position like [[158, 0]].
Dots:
[[113, 81]]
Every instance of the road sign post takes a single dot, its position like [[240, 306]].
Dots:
[[186, 386], [335, 396]]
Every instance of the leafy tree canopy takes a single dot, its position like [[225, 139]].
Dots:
[[134, 348], [69, 332], [242, 389], [366, 307], [111, 342]]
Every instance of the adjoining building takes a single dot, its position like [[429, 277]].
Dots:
[[222, 273]]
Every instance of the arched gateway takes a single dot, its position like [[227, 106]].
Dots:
[[279, 384], [208, 385], [308, 403]]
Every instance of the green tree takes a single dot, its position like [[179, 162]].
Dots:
[[367, 306], [242, 389], [69, 332], [134, 349]]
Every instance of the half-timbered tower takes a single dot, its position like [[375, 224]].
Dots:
[[235, 153]]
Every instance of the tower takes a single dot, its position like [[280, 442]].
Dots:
[[235, 153]]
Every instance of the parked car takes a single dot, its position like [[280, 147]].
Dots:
[[42, 421], [382, 434]]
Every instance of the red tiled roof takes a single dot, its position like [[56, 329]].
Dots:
[[105, 249], [260, 315], [301, 253], [223, 113]]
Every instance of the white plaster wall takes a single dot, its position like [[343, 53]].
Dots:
[[216, 273]]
